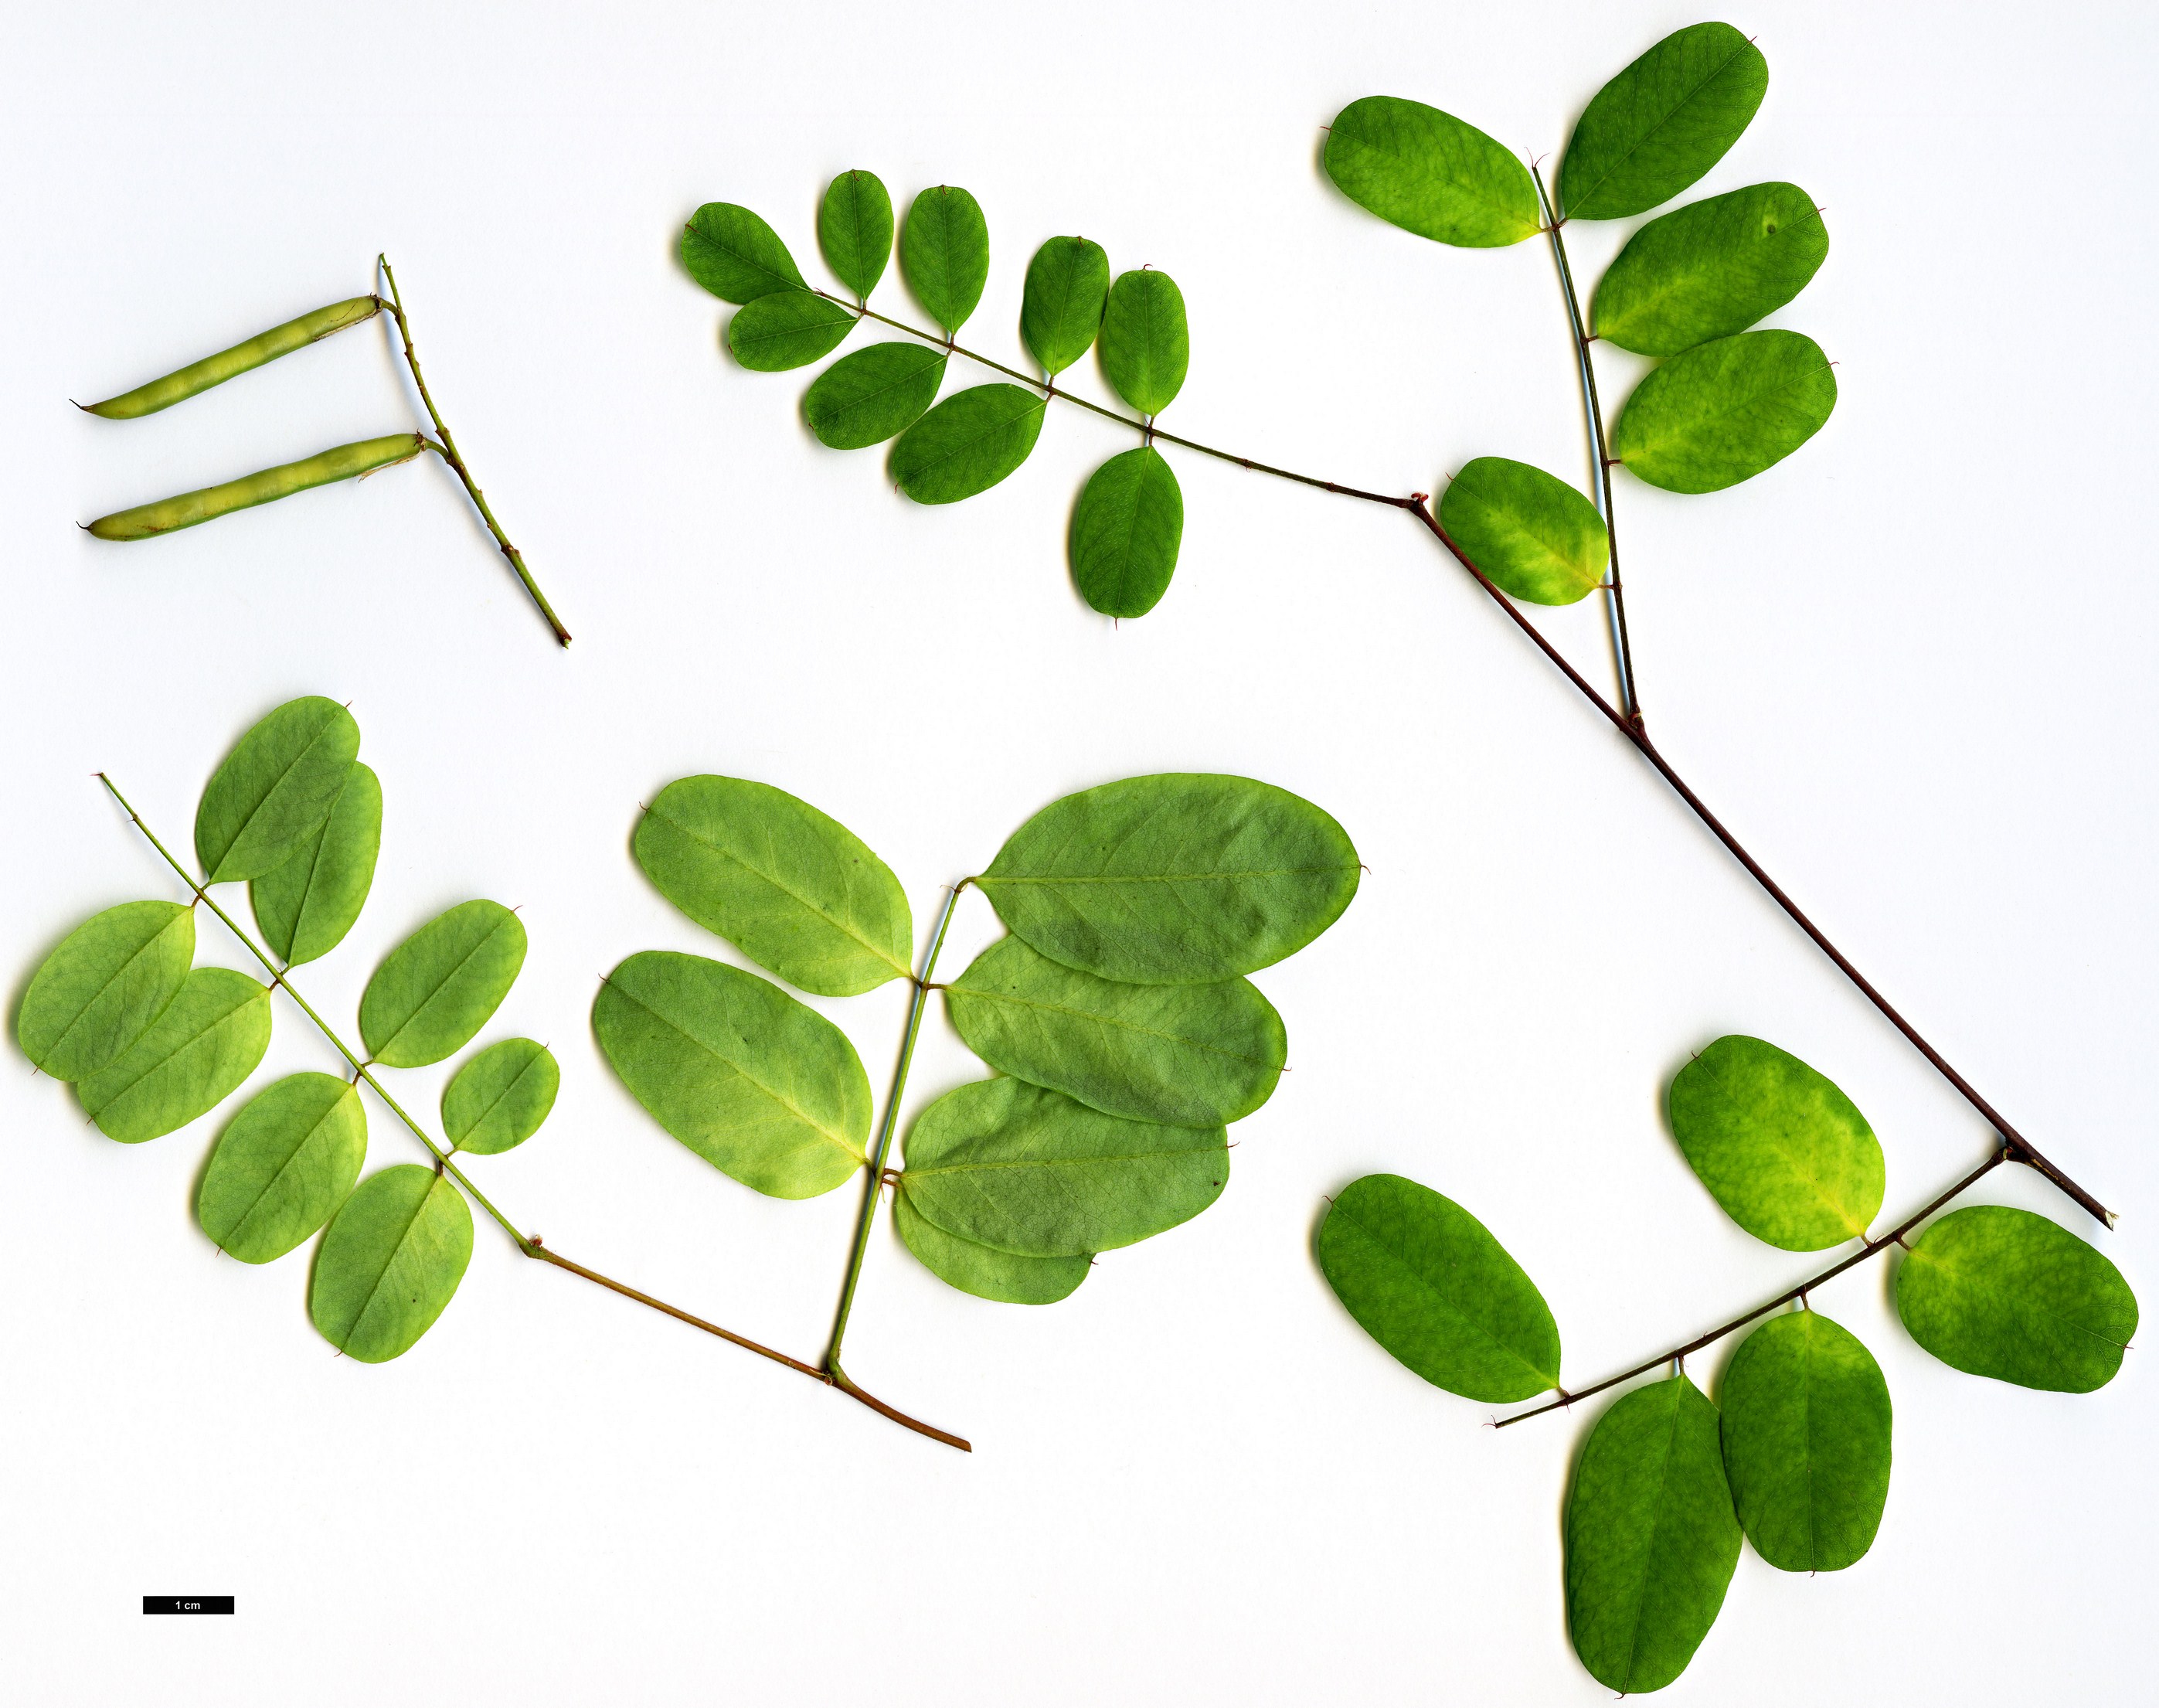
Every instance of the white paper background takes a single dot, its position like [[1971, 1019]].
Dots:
[[1912, 667]]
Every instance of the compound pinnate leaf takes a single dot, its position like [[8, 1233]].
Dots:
[[306, 906], [1060, 310], [1535, 536], [194, 1056], [2001, 1292], [101, 990], [1427, 172], [1710, 269], [944, 252], [498, 1098], [1017, 1168], [1180, 878], [1189, 1055], [863, 399], [854, 229], [1146, 343], [762, 1088], [788, 329], [274, 790], [968, 443], [1004, 1276], [1651, 1539], [1662, 123], [1424, 1278], [1725, 411], [798, 892], [283, 1166], [391, 1260], [1806, 1443], [1126, 530], [1777, 1144], [437, 987], [733, 254]]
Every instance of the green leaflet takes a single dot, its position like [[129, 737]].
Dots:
[[1015, 1168], [99, 991], [968, 443], [1424, 1278], [944, 251], [1725, 411], [1535, 536], [1126, 530], [2001, 1292], [390, 1263], [1779, 1147], [194, 1056], [788, 329], [863, 399], [1060, 310], [1174, 879], [283, 1166], [1189, 1055], [1146, 345], [1662, 123], [762, 1088], [1004, 1276], [854, 229], [274, 789], [735, 256], [1710, 269], [439, 986], [500, 1097], [1806, 1443], [1427, 172], [1651, 1540], [306, 906], [798, 892]]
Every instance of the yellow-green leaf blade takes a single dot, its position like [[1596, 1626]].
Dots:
[[192, 1056], [1125, 532], [1060, 311], [864, 399], [733, 254], [306, 906], [283, 1166], [1429, 173], [788, 329], [436, 990], [1725, 411], [1711, 270], [1535, 536], [498, 1099], [390, 1263], [1147, 344], [944, 251], [1005, 1277], [103, 987], [854, 229], [1662, 123], [968, 443], [274, 790]]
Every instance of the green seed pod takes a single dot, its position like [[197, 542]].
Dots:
[[189, 508], [215, 370]]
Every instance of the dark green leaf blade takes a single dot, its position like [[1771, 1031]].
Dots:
[[499, 1097], [733, 254], [1060, 310], [436, 989], [1427, 172], [390, 1262], [764, 1089], [1535, 536], [797, 892], [1662, 123], [306, 906], [1711, 270], [283, 1166], [1806, 1443], [2001, 1292], [1005, 1277], [944, 251], [1725, 411], [1778, 1144], [968, 443], [1147, 344], [1180, 878], [854, 229], [274, 790], [1125, 532], [863, 399], [1427, 1280], [788, 329], [1651, 1539], [1017, 1168], [194, 1056], [1188, 1055], [102, 987]]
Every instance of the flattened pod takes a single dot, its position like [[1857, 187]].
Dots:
[[184, 383], [169, 516]]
